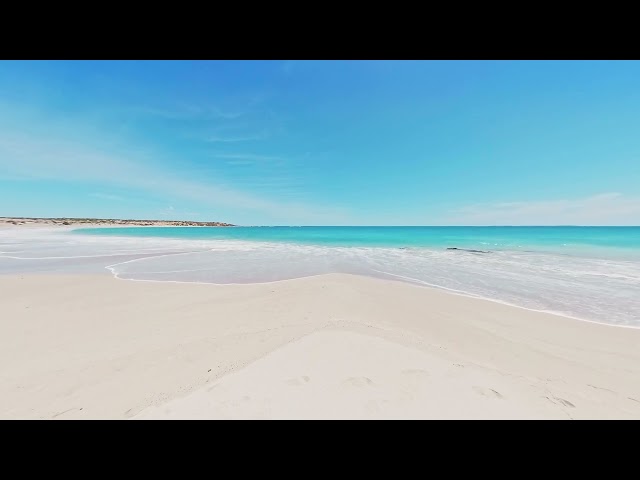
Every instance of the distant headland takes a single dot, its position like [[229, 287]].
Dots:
[[11, 221]]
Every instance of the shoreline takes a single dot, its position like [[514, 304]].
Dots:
[[86, 346], [385, 275], [413, 284], [461, 293]]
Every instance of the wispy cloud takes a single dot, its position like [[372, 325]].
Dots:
[[237, 138], [241, 162], [249, 129], [167, 212], [71, 157], [187, 112], [172, 213], [601, 209], [107, 196], [218, 113], [4, 177], [247, 158]]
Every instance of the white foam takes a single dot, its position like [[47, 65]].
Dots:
[[604, 290]]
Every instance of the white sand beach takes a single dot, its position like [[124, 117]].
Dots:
[[300, 239], [332, 346]]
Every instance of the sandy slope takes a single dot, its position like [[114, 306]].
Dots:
[[333, 346]]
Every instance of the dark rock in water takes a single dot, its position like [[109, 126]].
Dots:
[[467, 250]]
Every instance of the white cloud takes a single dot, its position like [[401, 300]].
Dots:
[[601, 209]]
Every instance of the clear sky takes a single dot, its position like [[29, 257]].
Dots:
[[323, 143]]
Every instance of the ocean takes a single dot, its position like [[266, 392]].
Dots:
[[589, 273], [623, 240]]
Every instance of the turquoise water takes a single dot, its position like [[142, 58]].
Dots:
[[590, 273], [623, 240]]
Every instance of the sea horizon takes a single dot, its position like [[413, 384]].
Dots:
[[500, 237]]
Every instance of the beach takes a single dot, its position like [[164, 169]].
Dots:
[[90, 346], [319, 240]]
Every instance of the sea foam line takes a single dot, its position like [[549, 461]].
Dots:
[[111, 267], [502, 302], [410, 280]]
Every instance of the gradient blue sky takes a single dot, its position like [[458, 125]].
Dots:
[[323, 143]]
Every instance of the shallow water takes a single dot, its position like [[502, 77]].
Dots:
[[621, 241], [592, 273]]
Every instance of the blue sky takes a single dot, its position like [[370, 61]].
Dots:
[[323, 143]]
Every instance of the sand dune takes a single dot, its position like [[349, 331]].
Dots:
[[333, 346]]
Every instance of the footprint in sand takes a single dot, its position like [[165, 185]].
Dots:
[[601, 388], [296, 382], [358, 382], [561, 401], [66, 411], [487, 392]]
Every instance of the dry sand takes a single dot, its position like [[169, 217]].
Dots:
[[332, 346]]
